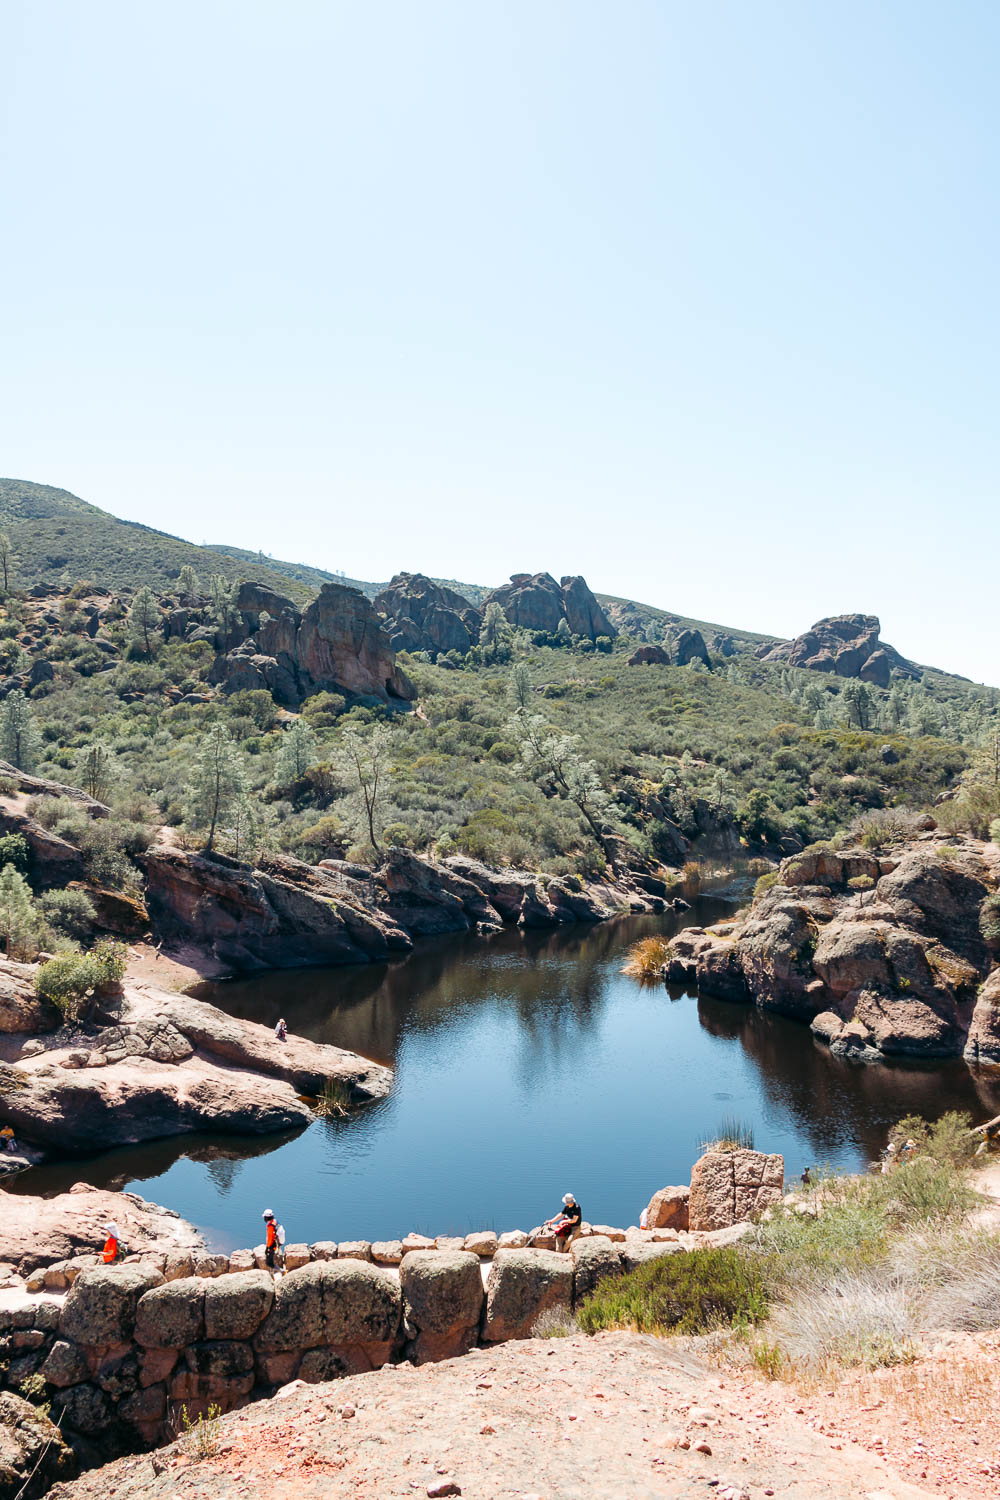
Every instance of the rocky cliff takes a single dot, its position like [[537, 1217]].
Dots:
[[847, 645], [421, 615], [336, 642], [534, 601], [879, 953]]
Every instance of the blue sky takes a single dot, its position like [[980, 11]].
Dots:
[[698, 300]]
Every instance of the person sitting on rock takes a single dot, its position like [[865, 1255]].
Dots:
[[112, 1245], [281, 1031], [7, 1136], [274, 1240], [567, 1224]]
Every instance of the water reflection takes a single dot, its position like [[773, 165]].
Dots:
[[526, 1065]]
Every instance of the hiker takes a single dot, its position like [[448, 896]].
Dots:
[[112, 1245], [7, 1136], [567, 1224], [889, 1158], [274, 1240], [281, 1031], [806, 1176]]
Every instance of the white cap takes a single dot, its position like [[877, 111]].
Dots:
[[268, 1213], [568, 1198], [111, 1228]]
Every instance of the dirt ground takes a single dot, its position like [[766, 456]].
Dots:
[[619, 1415]]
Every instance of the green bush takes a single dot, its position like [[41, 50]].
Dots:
[[70, 978], [989, 918], [69, 912], [14, 851], [688, 1293]]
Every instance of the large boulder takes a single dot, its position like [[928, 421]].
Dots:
[[689, 645], [236, 1305], [847, 645], [172, 1315], [442, 1302], [350, 1305], [94, 1108], [584, 615], [649, 656], [983, 1043], [522, 1285], [21, 1011], [534, 601], [728, 1187], [341, 644], [34, 1455], [668, 1209], [100, 1307], [40, 1231], [594, 1259]]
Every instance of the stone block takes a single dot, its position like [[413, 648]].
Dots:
[[512, 1239], [171, 1315], [236, 1305], [64, 1365], [241, 1260], [668, 1209], [323, 1250], [178, 1264], [387, 1252], [442, 1301], [211, 1265], [594, 1259], [354, 1250], [449, 1242], [296, 1256], [522, 1285], [728, 1187], [482, 1242], [617, 1236], [101, 1305], [417, 1242], [331, 1302]]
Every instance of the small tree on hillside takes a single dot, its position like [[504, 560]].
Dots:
[[496, 634], [20, 742], [223, 594], [7, 560], [96, 771], [218, 782], [363, 760], [18, 919], [188, 581], [296, 754], [554, 760], [520, 690], [861, 705], [144, 621]]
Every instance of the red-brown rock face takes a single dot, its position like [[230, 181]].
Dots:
[[341, 643]]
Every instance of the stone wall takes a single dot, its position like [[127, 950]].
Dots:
[[127, 1350]]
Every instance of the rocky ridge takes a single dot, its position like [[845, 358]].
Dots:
[[534, 601], [881, 953]]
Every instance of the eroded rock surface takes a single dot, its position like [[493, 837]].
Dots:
[[847, 645], [729, 1187]]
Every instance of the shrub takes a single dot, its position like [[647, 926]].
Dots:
[[989, 918], [686, 1294], [555, 1323], [764, 883], [14, 851], [646, 958], [861, 882], [995, 831], [69, 912], [71, 978]]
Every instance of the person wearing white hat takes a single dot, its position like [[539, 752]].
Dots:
[[112, 1244], [274, 1239], [567, 1223]]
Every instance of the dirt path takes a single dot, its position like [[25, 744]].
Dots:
[[616, 1417]]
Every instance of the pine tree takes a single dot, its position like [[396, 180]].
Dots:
[[218, 781], [18, 918], [7, 560], [554, 760], [363, 760], [20, 742], [144, 621], [296, 754], [224, 609], [96, 771], [188, 581]]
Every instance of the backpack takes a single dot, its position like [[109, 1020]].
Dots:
[[281, 1234]]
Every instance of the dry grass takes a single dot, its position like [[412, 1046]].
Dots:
[[646, 958]]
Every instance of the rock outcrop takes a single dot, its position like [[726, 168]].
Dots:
[[880, 954], [421, 615], [286, 914], [442, 1303], [847, 645], [534, 601], [522, 1285], [43, 1231], [667, 1209], [730, 1187], [34, 1455], [337, 643]]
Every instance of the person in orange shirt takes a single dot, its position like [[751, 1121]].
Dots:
[[112, 1244], [274, 1239]]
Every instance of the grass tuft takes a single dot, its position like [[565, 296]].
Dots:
[[646, 958]]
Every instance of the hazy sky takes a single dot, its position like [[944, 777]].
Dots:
[[700, 300]]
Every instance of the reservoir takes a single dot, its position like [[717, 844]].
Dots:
[[527, 1065]]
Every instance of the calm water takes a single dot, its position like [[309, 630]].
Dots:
[[526, 1066]]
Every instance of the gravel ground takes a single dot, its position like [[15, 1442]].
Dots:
[[618, 1415]]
